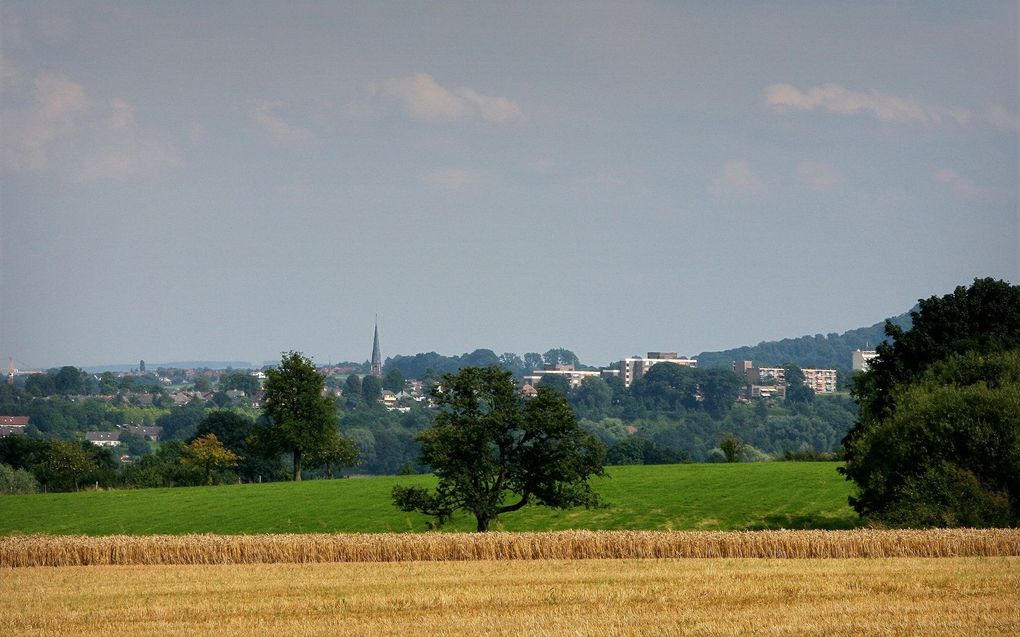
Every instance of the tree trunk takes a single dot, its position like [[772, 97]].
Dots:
[[297, 465], [483, 524]]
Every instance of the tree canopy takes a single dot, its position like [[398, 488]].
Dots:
[[937, 440], [300, 419], [488, 444]]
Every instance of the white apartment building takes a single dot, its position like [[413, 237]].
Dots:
[[861, 359], [573, 376], [823, 381], [635, 367]]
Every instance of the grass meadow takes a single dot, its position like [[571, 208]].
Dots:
[[768, 495], [901, 596]]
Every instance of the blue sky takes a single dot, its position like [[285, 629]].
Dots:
[[228, 180]]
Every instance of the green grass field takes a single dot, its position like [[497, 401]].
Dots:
[[767, 495]]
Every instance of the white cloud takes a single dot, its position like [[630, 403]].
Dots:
[[819, 176], [122, 149], [736, 178], [833, 98], [425, 100], [275, 128], [56, 105], [453, 177], [998, 116], [60, 129], [962, 187]]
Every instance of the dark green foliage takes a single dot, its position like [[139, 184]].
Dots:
[[352, 392], [165, 468], [938, 437], [371, 389], [238, 433], [339, 452], [732, 447], [135, 443], [560, 356], [796, 390], [556, 383], [300, 419], [488, 444], [592, 399], [393, 380], [983, 318], [667, 388], [949, 452], [719, 390], [70, 380], [241, 381], [180, 424]]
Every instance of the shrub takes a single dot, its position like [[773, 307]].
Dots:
[[16, 481]]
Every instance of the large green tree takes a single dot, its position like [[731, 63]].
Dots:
[[300, 419], [495, 452], [937, 440]]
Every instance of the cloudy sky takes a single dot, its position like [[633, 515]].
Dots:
[[228, 180]]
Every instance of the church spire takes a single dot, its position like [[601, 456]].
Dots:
[[376, 354]]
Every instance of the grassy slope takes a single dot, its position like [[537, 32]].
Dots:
[[737, 496]]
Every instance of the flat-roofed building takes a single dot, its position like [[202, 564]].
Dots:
[[573, 376], [635, 367], [823, 381], [860, 359]]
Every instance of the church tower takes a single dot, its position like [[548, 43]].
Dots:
[[376, 354]]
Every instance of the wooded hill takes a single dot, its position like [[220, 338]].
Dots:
[[828, 351]]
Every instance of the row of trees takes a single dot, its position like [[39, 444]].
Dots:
[[430, 366]]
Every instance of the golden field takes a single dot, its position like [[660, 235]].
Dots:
[[49, 550], [877, 596]]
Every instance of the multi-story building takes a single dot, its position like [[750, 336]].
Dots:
[[861, 359], [771, 375], [823, 381], [635, 367]]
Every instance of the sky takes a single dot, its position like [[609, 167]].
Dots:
[[231, 180]]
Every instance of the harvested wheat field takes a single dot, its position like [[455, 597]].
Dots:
[[878, 596], [49, 550]]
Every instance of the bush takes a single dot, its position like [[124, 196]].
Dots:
[[17, 481], [947, 496]]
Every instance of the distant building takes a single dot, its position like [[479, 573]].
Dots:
[[823, 381], [861, 359], [14, 421], [103, 438], [635, 367], [573, 376], [13, 425], [376, 354], [762, 382], [148, 432], [771, 375]]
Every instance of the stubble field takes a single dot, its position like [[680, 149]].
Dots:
[[894, 596]]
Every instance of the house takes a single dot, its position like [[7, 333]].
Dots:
[[150, 433], [14, 421], [103, 438], [13, 425]]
